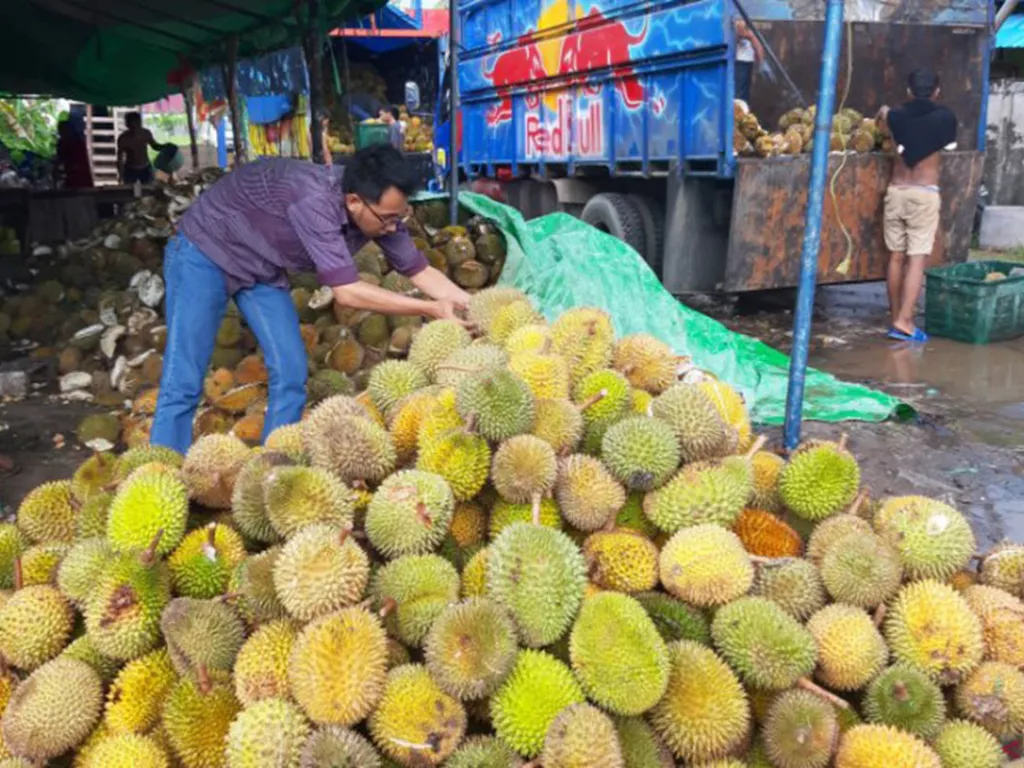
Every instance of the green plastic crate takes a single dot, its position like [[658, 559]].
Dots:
[[960, 305], [371, 133]]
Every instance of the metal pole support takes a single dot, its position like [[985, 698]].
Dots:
[[453, 112], [812, 226]]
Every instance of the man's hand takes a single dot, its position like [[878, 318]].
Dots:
[[883, 113], [437, 286], [445, 309]]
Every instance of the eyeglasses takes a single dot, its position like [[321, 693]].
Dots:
[[392, 219]]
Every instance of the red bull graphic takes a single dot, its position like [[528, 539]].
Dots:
[[601, 43]]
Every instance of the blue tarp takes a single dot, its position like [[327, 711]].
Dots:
[[1011, 34]]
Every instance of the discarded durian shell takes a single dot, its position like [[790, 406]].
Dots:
[[238, 399], [145, 401], [88, 338], [211, 421], [135, 430], [310, 337], [251, 370], [118, 371], [218, 383], [152, 369], [149, 287], [75, 381], [113, 242], [249, 428], [158, 338], [70, 359], [108, 342], [321, 298], [130, 383], [347, 355]]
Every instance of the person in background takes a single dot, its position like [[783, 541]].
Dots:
[[748, 53], [920, 129], [240, 239], [132, 151], [396, 134], [73, 157]]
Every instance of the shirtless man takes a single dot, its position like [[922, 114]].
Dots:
[[132, 158], [920, 129]]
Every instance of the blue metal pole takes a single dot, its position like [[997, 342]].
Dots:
[[812, 225], [222, 143]]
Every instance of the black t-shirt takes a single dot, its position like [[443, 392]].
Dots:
[[922, 128]]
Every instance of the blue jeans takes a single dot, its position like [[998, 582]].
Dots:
[[196, 298]]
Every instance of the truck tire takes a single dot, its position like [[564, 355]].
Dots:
[[652, 212], [618, 216]]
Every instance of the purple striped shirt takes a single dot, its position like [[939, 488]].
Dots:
[[277, 215]]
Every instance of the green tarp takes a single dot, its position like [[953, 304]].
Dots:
[[560, 262]]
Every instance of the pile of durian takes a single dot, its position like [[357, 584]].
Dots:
[[536, 546], [851, 132]]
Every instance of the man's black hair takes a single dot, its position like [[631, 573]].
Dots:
[[133, 116], [923, 83], [372, 170]]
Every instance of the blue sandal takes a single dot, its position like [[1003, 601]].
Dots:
[[918, 335]]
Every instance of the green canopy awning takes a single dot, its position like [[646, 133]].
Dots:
[[123, 52]]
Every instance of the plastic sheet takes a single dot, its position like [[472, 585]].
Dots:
[[560, 262]]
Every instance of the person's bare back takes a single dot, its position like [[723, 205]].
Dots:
[[924, 174], [133, 146]]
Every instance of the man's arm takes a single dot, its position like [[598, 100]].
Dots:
[[153, 142], [372, 298], [436, 285], [402, 254]]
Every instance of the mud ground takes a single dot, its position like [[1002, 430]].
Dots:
[[966, 444]]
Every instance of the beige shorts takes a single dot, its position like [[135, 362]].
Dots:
[[911, 220]]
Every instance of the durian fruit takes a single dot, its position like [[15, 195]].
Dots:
[[286, 440], [126, 750], [466, 534], [40, 563], [933, 540], [211, 468], [588, 496], [641, 746], [13, 544], [82, 649], [434, 343], [471, 648], [905, 697], [604, 396], [767, 468], [560, 423], [504, 514], [474, 576], [271, 732], [538, 574], [412, 591], [800, 731], [93, 476], [248, 506], [1003, 567], [52, 710], [135, 699], [415, 721], [253, 585], [48, 513], [674, 619], [475, 360], [647, 362], [582, 736], [546, 375], [704, 714], [500, 403], [320, 569], [78, 571], [196, 718], [295, 497], [820, 479], [409, 513], [334, 747], [765, 535], [641, 452], [340, 436], [585, 337], [851, 650], [338, 667], [461, 457], [861, 569], [1002, 619], [828, 532], [621, 560], [485, 305], [511, 318], [261, 667], [868, 746], [962, 744], [993, 696], [405, 420], [794, 585], [134, 458], [92, 518], [202, 634], [529, 338], [731, 407], [147, 503], [702, 433], [202, 565], [766, 646], [538, 688], [484, 752], [321, 385], [524, 466], [626, 671], [392, 380], [930, 626], [35, 625], [705, 565]]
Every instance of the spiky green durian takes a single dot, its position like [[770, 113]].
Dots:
[[461, 457], [92, 517], [270, 732], [641, 746], [253, 583], [484, 752], [1002, 618], [510, 318], [560, 424], [702, 433], [500, 403], [435, 342], [248, 504], [862, 570], [582, 736], [625, 671], [647, 362], [933, 540], [338, 666], [340, 436], [851, 651], [539, 687], [474, 575], [40, 563], [414, 589], [604, 396], [125, 750], [475, 360], [524, 466], [766, 646], [828, 532], [674, 619], [299, 496], [392, 380], [80, 568], [546, 375], [13, 544], [641, 452], [409, 513], [767, 468], [795, 585], [35, 624], [1003, 567], [621, 560], [134, 458], [470, 649], [800, 731], [332, 746], [261, 667], [505, 514], [144, 505], [704, 713], [136, 696], [93, 476], [196, 719], [703, 492], [820, 479], [52, 710], [992, 695], [202, 564], [529, 338], [48, 513], [588, 496], [201, 633], [705, 565], [82, 649], [866, 746], [961, 744], [585, 337], [538, 574], [906, 698], [930, 626], [211, 467], [286, 440], [319, 570]]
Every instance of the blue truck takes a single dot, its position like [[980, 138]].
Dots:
[[622, 112]]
